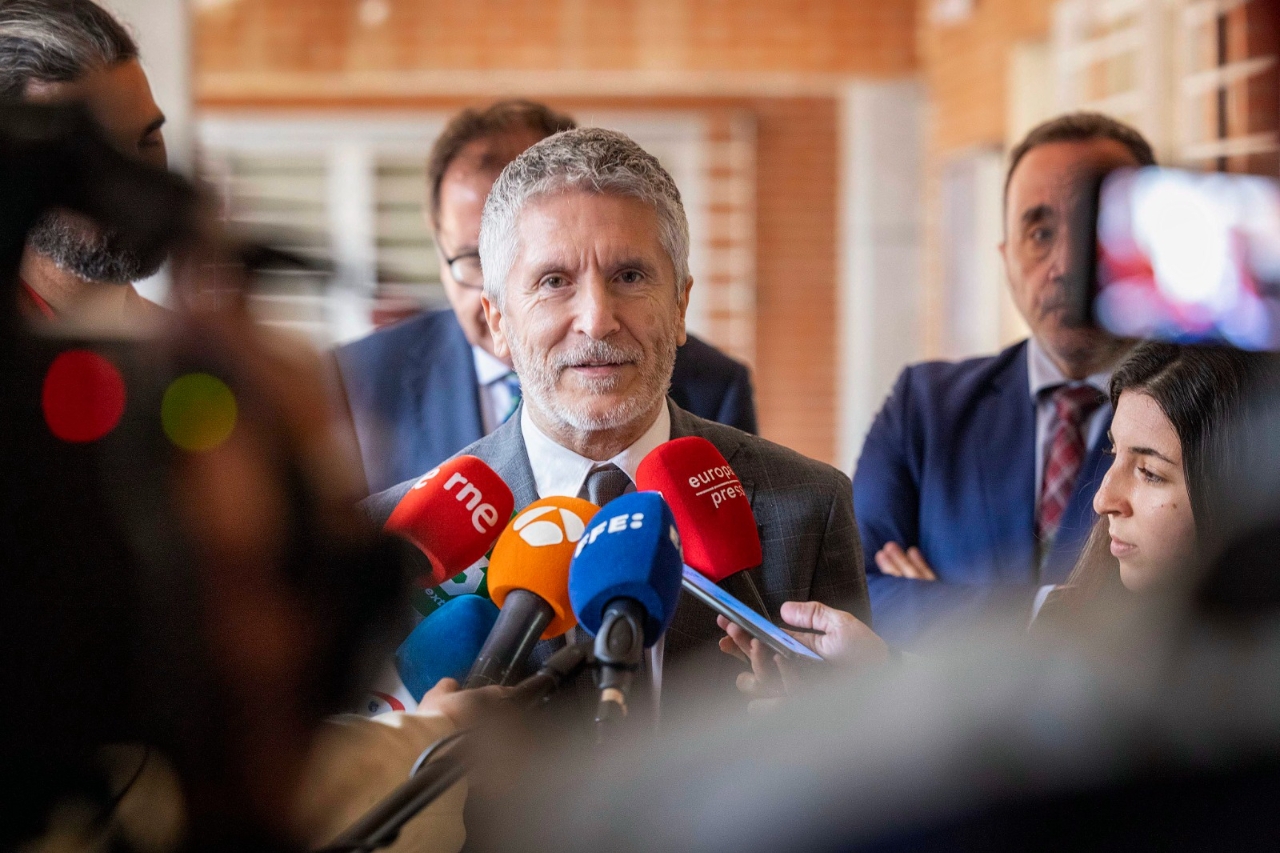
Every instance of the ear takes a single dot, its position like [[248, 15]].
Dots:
[[497, 327], [682, 306], [1003, 249]]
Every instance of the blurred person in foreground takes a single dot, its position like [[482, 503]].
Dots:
[[974, 486], [57, 51], [1160, 506], [585, 248], [186, 608], [423, 389]]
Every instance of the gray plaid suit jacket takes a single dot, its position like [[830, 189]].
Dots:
[[803, 510]]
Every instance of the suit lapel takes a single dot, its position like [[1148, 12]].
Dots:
[[505, 453], [1006, 427], [684, 424], [447, 398]]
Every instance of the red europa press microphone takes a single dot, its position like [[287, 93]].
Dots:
[[711, 508], [453, 514]]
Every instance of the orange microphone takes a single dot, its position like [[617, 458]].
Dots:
[[529, 580]]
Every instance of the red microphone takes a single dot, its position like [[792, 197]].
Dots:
[[711, 508], [453, 514]]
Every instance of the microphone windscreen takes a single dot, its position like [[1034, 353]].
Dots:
[[630, 550], [453, 514], [709, 504], [533, 553], [446, 643]]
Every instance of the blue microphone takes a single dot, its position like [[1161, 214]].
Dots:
[[446, 643], [624, 584]]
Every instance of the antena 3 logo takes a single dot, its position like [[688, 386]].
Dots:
[[483, 515], [548, 525], [720, 483]]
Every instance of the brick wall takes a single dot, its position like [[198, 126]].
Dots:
[[965, 69], [779, 65], [792, 36]]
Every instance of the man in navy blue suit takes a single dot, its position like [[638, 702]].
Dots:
[[423, 389], [976, 480]]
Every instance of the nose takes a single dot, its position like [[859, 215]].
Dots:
[[1059, 257], [595, 313], [1110, 498]]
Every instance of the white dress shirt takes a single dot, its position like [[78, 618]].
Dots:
[[557, 470], [495, 394]]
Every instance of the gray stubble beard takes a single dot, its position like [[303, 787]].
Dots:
[[538, 378]]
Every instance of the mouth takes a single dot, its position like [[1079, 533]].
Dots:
[[1121, 548], [598, 368]]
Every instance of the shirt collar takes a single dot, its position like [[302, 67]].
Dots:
[[489, 368], [1043, 374], [557, 470]]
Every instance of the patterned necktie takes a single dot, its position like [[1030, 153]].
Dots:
[[513, 387], [1072, 406]]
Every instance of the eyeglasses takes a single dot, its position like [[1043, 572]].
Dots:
[[465, 270]]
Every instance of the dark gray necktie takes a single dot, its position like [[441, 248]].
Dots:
[[604, 483]]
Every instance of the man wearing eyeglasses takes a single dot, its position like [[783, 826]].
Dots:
[[425, 388]]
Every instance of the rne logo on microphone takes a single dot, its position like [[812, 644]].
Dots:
[[539, 526], [483, 515], [430, 475], [720, 482]]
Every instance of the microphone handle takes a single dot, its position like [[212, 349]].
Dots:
[[619, 651], [560, 669], [523, 618]]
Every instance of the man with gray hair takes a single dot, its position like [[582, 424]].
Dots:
[[585, 246], [74, 50]]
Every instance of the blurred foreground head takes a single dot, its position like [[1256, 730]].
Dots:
[[184, 566], [56, 51]]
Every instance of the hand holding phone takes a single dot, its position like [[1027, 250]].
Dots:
[[839, 638]]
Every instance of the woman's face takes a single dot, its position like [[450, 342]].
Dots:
[[1144, 496]]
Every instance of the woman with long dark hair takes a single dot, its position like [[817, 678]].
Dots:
[[1159, 505]]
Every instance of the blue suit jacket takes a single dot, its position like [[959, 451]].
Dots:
[[412, 393], [949, 466]]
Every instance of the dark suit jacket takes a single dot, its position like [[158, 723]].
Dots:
[[949, 466], [802, 508], [412, 393]]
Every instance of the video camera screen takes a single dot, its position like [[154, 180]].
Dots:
[[1189, 257]]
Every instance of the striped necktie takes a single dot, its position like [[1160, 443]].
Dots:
[[513, 386]]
